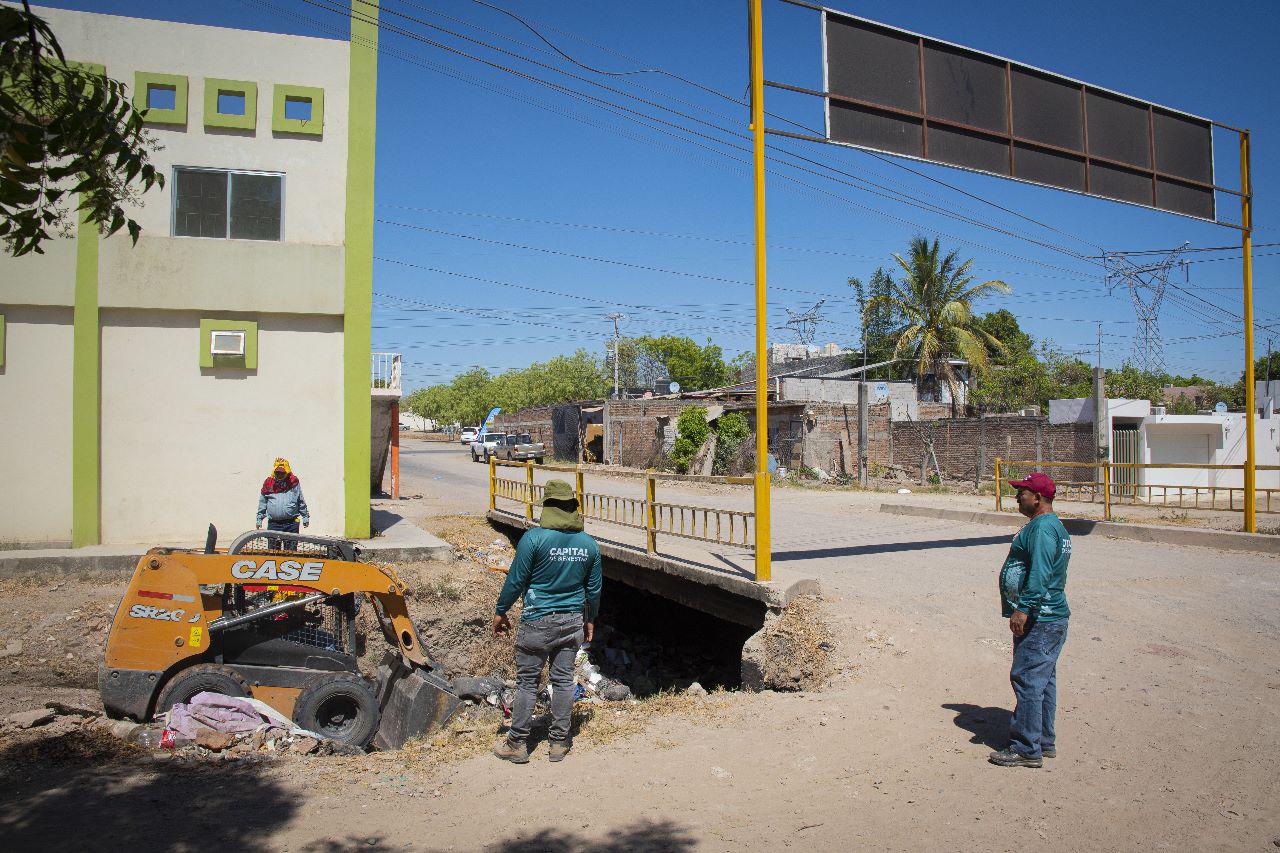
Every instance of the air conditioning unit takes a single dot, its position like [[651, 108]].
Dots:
[[226, 343]]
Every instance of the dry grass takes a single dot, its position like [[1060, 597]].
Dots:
[[798, 647]]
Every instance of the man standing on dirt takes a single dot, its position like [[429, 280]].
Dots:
[[1033, 598], [557, 570]]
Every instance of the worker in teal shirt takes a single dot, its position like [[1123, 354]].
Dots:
[[557, 570], [1033, 582]]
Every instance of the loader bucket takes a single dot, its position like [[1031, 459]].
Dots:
[[415, 702]]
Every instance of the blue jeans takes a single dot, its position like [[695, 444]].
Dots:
[[1034, 676]]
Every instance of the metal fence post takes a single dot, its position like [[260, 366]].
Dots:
[[999, 495], [1106, 490], [528, 491], [493, 483], [578, 488], [650, 517]]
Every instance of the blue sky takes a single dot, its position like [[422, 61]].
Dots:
[[514, 217]]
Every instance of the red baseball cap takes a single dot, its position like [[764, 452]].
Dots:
[[1041, 484]]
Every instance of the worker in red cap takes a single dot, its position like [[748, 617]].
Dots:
[[1033, 598]]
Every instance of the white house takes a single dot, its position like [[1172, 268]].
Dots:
[[145, 390]]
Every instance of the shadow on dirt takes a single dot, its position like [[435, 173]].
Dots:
[[89, 791], [888, 548], [989, 726], [642, 837]]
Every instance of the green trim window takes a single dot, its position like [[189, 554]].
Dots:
[[221, 350], [230, 103], [297, 109], [222, 203], [162, 96]]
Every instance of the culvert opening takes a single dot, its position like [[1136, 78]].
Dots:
[[653, 644]]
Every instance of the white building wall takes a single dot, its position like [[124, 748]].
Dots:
[[184, 445], [181, 447], [35, 427], [315, 168]]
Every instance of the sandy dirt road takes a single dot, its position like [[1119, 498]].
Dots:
[[1169, 708]]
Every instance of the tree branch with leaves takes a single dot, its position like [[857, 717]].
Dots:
[[65, 132]]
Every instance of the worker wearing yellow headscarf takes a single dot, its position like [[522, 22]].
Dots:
[[280, 503]]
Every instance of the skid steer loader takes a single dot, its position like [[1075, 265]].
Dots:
[[272, 617]]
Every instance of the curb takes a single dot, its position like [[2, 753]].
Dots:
[[15, 563], [1223, 540]]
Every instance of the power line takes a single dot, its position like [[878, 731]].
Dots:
[[633, 113]]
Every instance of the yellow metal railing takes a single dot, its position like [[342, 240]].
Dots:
[[685, 521], [1117, 483]]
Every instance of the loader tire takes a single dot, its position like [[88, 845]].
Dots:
[[202, 677], [340, 707]]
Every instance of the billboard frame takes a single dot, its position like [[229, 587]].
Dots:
[[1008, 137], [758, 129]]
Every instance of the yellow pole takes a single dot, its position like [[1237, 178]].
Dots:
[[763, 549], [1106, 490], [578, 487], [1246, 222], [650, 517], [999, 490], [528, 491], [493, 483]]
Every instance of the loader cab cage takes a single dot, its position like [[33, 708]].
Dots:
[[279, 542]]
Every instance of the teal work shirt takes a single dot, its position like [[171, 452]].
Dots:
[[557, 572], [1034, 576]]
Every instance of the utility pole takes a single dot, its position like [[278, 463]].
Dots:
[[617, 338], [1101, 422]]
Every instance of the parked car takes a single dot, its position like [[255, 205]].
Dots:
[[468, 435], [484, 445], [520, 448]]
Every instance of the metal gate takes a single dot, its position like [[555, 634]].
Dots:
[[1125, 447]]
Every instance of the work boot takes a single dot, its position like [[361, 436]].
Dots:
[[558, 750], [1009, 758], [516, 753]]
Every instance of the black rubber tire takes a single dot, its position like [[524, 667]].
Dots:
[[538, 461], [340, 707], [202, 677]]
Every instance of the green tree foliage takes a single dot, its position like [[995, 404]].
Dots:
[[1033, 378], [64, 132], [691, 425], [878, 318], [732, 430], [1130, 383], [934, 304], [644, 360], [470, 395]]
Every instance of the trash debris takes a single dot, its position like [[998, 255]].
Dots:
[[228, 714], [904, 491]]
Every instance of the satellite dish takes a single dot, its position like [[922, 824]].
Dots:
[[675, 387], [1220, 408]]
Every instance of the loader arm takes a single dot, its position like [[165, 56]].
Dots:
[[164, 617]]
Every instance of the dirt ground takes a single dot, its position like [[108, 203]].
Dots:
[[1169, 708]]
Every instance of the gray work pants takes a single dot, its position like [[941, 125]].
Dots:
[[555, 638]]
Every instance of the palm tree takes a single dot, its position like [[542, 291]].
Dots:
[[935, 301]]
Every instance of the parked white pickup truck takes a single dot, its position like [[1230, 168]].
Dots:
[[520, 448], [484, 445]]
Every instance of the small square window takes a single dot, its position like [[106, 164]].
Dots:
[[160, 97], [297, 109], [231, 103]]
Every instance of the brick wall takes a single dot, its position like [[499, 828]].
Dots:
[[969, 446], [820, 435]]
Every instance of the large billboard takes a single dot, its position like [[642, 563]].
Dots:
[[901, 93]]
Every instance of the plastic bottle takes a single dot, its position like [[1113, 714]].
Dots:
[[148, 738]]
